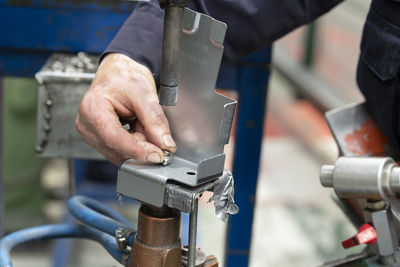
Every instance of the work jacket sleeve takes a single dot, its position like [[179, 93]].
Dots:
[[252, 25]]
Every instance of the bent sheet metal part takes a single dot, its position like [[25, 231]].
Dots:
[[200, 122]]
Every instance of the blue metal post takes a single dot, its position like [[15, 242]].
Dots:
[[252, 81], [1, 159]]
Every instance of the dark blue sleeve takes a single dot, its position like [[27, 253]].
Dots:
[[252, 25], [140, 38]]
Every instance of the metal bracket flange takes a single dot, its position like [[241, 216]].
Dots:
[[200, 122]]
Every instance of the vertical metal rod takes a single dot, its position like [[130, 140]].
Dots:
[[71, 178], [309, 45], [193, 233], [1, 160], [170, 61]]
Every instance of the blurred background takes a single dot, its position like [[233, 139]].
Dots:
[[296, 223]]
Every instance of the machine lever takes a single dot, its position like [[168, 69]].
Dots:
[[366, 235]]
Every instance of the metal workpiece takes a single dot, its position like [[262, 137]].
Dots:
[[157, 241], [200, 122], [147, 182], [62, 83], [387, 242], [181, 197], [356, 132], [362, 177], [202, 119]]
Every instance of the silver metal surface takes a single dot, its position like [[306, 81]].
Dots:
[[170, 61], [387, 239], [122, 237], [201, 258], [193, 233], [365, 177], [356, 132], [224, 197], [200, 122], [62, 83], [181, 197], [147, 182], [122, 241], [168, 157], [326, 175], [362, 177]]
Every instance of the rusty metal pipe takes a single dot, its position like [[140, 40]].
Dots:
[[157, 242]]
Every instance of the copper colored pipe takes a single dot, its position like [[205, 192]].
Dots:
[[157, 242]]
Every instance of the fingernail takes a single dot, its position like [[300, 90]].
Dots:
[[154, 157], [168, 141]]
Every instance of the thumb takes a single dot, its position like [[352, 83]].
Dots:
[[155, 125]]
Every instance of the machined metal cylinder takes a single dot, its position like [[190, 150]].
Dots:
[[157, 242], [170, 61], [362, 177]]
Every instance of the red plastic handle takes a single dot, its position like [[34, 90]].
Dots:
[[366, 235]]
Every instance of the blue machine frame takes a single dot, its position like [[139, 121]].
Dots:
[[72, 26]]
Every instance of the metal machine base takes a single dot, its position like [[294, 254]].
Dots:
[[157, 242]]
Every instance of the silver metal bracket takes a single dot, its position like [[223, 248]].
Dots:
[[200, 122]]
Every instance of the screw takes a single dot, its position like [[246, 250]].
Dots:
[[168, 156]]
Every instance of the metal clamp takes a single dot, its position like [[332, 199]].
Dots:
[[122, 237]]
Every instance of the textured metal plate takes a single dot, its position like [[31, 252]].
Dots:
[[59, 97], [200, 122]]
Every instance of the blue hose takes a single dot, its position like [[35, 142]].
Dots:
[[57, 231], [99, 216]]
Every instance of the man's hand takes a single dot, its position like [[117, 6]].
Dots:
[[124, 89]]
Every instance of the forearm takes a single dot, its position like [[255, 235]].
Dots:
[[252, 25], [140, 38], [255, 24]]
